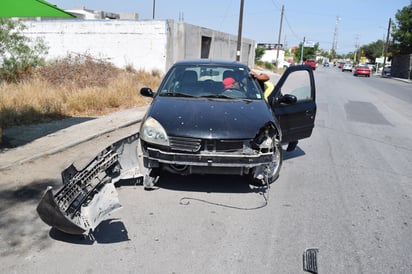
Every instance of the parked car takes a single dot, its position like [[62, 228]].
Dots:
[[362, 70], [287, 63], [387, 70], [311, 62], [195, 125], [347, 67]]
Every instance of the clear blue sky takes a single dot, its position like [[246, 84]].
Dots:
[[361, 21]]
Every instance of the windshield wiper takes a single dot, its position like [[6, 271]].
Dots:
[[177, 94], [211, 96], [218, 96]]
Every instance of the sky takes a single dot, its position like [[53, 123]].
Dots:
[[356, 22]]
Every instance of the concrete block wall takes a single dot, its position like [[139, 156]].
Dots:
[[148, 45], [402, 66], [137, 43]]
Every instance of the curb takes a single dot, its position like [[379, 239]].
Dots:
[[70, 137]]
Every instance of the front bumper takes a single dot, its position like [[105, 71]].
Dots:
[[156, 156]]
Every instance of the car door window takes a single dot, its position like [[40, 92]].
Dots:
[[298, 84]]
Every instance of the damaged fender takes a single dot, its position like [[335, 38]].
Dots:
[[89, 195]]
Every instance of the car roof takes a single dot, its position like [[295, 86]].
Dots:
[[210, 62]]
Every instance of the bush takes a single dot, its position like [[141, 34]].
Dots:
[[78, 71], [19, 55]]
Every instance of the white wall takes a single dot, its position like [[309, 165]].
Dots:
[[141, 44], [270, 56], [145, 45]]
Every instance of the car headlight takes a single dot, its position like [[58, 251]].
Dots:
[[153, 132]]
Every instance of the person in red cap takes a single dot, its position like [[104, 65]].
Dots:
[[230, 83]]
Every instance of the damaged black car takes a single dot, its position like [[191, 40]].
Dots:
[[211, 117], [207, 117]]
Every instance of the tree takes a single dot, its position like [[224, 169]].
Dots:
[[308, 52], [402, 30], [372, 50], [259, 52], [19, 54]]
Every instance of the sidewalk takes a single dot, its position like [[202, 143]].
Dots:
[[62, 139]]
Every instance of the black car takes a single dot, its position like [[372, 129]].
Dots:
[[197, 124], [207, 117]]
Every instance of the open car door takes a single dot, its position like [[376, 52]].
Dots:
[[293, 102]]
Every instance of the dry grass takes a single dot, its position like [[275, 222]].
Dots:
[[80, 87]]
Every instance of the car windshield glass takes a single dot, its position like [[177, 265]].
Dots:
[[210, 81]]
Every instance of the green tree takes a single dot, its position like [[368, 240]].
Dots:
[[372, 50], [19, 54], [259, 51], [308, 52], [402, 30]]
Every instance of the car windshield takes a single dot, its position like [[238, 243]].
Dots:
[[210, 81]]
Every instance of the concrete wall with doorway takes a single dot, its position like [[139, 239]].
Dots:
[[148, 45]]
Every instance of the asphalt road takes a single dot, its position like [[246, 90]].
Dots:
[[346, 191]]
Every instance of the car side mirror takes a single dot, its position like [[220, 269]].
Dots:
[[287, 99], [147, 92]]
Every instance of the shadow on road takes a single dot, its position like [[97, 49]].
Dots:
[[107, 232], [298, 152], [206, 183], [21, 135]]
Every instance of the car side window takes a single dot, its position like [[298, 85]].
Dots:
[[298, 84]]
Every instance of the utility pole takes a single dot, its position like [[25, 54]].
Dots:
[[335, 36], [386, 46], [356, 47], [154, 8], [239, 33], [301, 54], [280, 33]]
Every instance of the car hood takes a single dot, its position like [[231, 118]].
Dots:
[[210, 118]]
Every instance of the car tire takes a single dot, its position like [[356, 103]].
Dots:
[[273, 168]]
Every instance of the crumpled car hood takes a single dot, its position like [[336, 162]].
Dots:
[[211, 119]]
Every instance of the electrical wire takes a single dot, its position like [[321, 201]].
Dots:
[[265, 194]]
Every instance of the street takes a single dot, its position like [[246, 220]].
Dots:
[[347, 191]]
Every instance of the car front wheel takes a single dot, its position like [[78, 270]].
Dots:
[[270, 171]]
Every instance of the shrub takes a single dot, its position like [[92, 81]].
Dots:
[[19, 54]]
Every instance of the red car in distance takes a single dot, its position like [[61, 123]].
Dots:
[[311, 63], [362, 70]]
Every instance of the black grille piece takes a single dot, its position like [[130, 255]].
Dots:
[[207, 145], [223, 145], [185, 144]]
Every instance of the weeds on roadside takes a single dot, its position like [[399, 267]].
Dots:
[[74, 86]]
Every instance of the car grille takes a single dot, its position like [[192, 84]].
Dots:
[[185, 144], [207, 145]]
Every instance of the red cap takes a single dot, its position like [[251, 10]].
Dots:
[[227, 82]]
